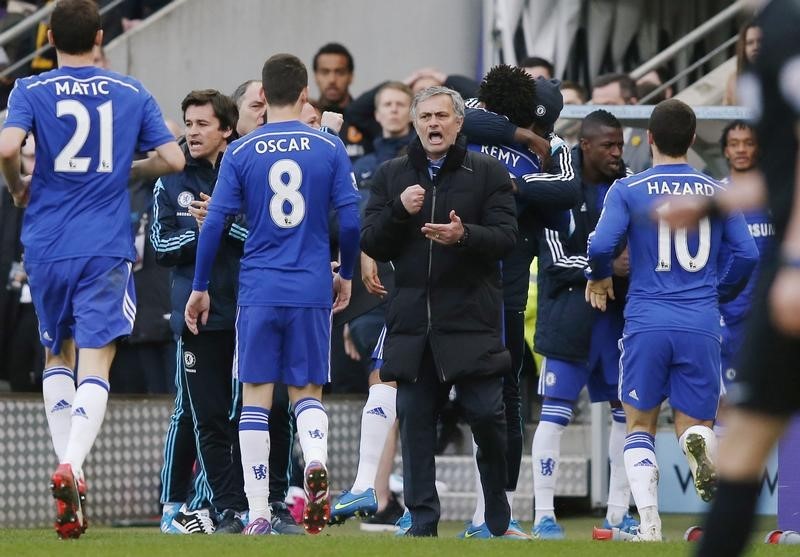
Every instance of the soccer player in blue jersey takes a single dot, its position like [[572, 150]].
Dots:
[[285, 176], [671, 340], [740, 148], [78, 247]]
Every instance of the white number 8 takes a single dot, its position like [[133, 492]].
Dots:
[[286, 192]]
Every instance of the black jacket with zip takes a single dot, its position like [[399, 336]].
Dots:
[[451, 295]]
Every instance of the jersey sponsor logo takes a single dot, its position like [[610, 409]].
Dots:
[[185, 198], [46, 336], [645, 462], [80, 412], [633, 395], [761, 229]]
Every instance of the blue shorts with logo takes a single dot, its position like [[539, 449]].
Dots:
[[682, 366], [289, 345], [90, 299], [563, 379], [732, 340]]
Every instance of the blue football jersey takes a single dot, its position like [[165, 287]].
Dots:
[[673, 273], [763, 231], [87, 123], [286, 176]]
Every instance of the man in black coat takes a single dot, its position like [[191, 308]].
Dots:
[[444, 217]]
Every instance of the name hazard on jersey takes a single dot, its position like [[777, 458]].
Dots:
[[679, 188]]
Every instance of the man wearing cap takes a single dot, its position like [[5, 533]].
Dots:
[[530, 104]]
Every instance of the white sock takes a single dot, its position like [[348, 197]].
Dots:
[[254, 446], [312, 429], [480, 503], [510, 499], [377, 419], [58, 390], [642, 469], [545, 452], [619, 491], [88, 411]]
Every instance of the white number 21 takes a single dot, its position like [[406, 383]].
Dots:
[[66, 160]]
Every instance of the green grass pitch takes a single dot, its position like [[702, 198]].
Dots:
[[349, 541]]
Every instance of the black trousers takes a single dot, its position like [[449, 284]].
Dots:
[[215, 398], [418, 405], [180, 448], [512, 398]]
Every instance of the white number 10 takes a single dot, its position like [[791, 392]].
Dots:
[[691, 263], [66, 160]]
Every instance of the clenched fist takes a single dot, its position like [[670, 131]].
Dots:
[[412, 198]]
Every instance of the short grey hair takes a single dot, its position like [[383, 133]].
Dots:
[[237, 95], [425, 94]]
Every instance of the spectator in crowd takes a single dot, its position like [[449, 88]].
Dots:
[[572, 93], [578, 342], [282, 302], [670, 347], [451, 342], [333, 72], [362, 110], [206, 359], [620, 89], [747, 47], [651, 81], [740, 148], [537, 67]]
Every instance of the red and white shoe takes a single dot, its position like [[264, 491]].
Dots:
[[69, 512], [317, 511]]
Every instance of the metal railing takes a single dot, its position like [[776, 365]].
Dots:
[[31, 21]]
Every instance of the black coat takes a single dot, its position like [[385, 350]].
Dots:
[[451, 295]]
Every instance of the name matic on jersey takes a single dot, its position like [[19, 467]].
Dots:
[[82, 88], [679, 188]]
